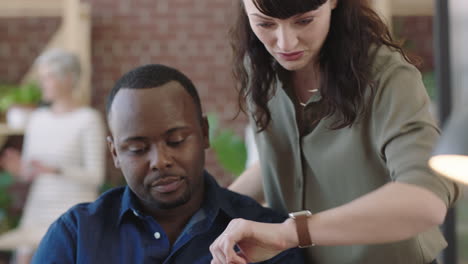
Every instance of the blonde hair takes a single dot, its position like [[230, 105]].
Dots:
[[62, 63]]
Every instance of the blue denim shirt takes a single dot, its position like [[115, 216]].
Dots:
[[113, 229]]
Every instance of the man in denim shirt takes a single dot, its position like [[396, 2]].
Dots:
[[172, 209]]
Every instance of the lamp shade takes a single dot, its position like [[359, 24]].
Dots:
[[450, 157]]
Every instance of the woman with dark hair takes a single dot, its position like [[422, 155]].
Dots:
[[343, 129]]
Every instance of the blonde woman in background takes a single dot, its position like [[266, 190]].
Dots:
[[63, 154]]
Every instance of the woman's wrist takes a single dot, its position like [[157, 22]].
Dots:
[[290, 233]]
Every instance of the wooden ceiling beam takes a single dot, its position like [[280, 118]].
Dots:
[[31, 8]]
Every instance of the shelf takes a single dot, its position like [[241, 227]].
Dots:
[[6, 131], [31, 8]]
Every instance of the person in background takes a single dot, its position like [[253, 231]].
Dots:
[[344, 134], [172, 209], [63, 154]]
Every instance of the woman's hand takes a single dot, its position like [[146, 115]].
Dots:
[[11, 162], [256, 241], [36, 168], [39, 168]]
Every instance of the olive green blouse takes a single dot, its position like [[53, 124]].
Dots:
[[326, 168]]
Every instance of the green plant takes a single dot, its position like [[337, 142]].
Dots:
[[229, 148], [107, 185], [7, 221], [430, 83], [28, 94]]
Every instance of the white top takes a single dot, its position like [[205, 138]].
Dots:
[[74, 142]]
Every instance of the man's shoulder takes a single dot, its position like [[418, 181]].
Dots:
[[104, 208], [241, 206]]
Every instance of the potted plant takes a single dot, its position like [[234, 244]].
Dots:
[[17, 102], [229, 148], [7, 219]]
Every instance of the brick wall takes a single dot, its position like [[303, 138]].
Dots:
[[417, 34], [21, 41], [189, 35]]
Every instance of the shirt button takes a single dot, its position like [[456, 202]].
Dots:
[[157, 235]]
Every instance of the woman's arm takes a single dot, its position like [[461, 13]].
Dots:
[[394, 212], [250, 183]]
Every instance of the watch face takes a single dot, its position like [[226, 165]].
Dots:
[[300, 213]]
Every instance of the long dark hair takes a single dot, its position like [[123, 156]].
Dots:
[[344, 58]]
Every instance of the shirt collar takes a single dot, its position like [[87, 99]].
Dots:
[[129, 204], [215, 198]]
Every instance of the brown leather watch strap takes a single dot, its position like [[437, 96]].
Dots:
[[302, 228]]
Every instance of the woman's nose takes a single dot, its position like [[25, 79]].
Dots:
[[286, 39]]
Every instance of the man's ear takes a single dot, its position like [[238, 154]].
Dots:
[[206, 132], [113, 151], [333, 3]]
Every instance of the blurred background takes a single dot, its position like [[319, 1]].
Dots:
[[114, 36]]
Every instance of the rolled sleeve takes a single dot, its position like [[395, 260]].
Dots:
[[406, 132]]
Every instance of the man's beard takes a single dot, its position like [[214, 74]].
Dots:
[[186, 196]]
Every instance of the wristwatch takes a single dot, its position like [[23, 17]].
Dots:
[[302, 228]]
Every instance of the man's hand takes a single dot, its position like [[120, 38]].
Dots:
[[256, 241]]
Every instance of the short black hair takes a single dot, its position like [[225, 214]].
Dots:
[[152, 76]]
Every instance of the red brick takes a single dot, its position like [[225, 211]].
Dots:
[[186, 34]]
